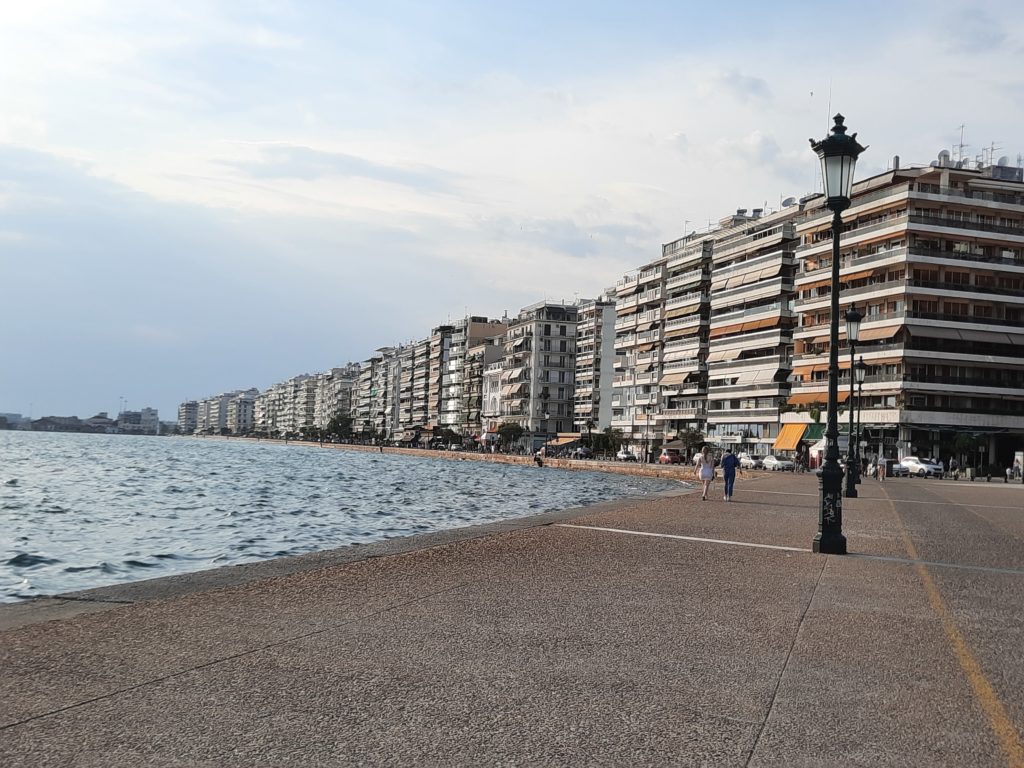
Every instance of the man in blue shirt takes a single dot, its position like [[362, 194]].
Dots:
[[729, 466]]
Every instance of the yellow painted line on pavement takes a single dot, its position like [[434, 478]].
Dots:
[[1002, 725]]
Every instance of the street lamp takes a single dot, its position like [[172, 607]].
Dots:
[[838, 154], [544, 395], [859, 371], [853, 318]]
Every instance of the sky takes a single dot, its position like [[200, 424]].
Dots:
[[198, 197]]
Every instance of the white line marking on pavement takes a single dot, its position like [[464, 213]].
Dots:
[[857, 555], [897, 501], [684, 538]]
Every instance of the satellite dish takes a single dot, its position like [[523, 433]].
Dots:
[[788, 202], [1003, 161]]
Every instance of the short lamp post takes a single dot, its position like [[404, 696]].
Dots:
[[543, 413], [853, 318], [838, 154], [860, 371]]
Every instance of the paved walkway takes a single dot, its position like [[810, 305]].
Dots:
[[665, 632]]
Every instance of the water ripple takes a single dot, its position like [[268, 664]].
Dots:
[[91, 510]]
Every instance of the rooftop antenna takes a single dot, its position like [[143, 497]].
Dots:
[[961, 146]]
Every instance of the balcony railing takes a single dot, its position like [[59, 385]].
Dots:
[[852, 231], [946, 221], [689, 298], [694, 276]]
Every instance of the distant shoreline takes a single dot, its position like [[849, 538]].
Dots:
[[678, 472]]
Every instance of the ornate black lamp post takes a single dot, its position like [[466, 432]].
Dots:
[[838, 154], [544, 395], [853, 318], [859, 372]]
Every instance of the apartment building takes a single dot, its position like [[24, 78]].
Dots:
[[934, 257], [376, 403], [187, 417], [241, 410], [539, 369], [456, 399], [335, 391], [491, 406], [479, 359], [685, 332], [636, 399], [412, 366], [595, 364], [750, 329]]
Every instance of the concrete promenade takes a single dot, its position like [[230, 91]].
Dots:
[[668, 632]]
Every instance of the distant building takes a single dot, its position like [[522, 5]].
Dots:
[[187, 417], [144, 422]]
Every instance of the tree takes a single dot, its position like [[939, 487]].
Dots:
[[590, 426], [510, 432], [691, 438], [608, 441], [448, 436], [340, 427]]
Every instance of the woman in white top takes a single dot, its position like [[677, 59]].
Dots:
[[705, 465]]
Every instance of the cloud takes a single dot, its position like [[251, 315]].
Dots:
[[290, 161], [743, 87], [973, 31]]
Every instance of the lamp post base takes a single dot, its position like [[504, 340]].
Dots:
[[829, 539], [829, 544]]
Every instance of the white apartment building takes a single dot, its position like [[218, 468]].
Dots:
[[539, 371], [459, 409], [241, 410], [187, 417], [934, 257], [595, 364], [335, 393], [750, 339]]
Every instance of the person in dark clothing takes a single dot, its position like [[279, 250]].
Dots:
[[729, 466]]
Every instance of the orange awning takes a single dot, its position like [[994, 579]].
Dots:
[[856, 275], [763, 323], [726, 329], [870, 334], [807, 398], [789, 437]]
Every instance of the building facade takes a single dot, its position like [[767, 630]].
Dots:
[[934, 258]]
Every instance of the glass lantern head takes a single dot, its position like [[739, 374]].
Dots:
[[838, 154]]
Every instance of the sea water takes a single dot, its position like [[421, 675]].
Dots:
[[80, 511]]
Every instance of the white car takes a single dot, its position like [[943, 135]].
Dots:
[[921, 467], [776, 464], [751, 462], [625, 455]]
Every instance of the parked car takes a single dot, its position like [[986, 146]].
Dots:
[[583, 453], [778, 464], [747, 461], [921, 467], [624, 455], [670, 456]]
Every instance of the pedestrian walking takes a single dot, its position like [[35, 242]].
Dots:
[[729, 466], [705, 470], [882, 464]]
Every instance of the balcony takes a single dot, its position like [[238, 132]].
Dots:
[[728, 317], [949, 222], [762, 239], [696, 412], [687, 278], [626, 323], [695, 297], [683, 322], [628, 282], [621, 342], [852, 232]]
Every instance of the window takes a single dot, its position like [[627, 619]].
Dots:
[[547, 329], [561, 330], [562, 345], [982, 311]]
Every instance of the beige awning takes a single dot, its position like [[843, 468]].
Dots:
[[720, 355], [676, 377]]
